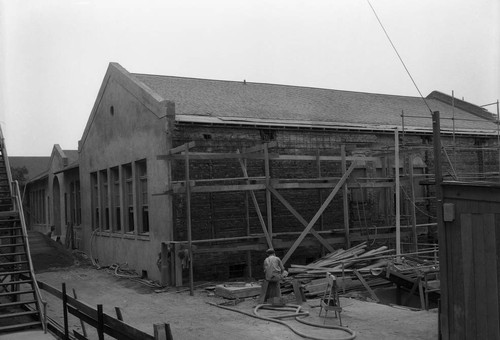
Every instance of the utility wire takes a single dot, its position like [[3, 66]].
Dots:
[[400, 59]]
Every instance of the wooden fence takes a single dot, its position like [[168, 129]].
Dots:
[[96, 318]]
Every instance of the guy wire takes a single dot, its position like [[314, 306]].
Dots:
[[397, 53]]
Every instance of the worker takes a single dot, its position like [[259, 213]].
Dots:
[[274, 272]]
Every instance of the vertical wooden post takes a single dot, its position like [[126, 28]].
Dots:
[[65, 311], [100, 322], [412, 205], [164, 269], [162, 331], [345, 193], [119, 314], [268, 193], [397, 191], [247, 219], [188, 222], [443, 247], [84, 330]]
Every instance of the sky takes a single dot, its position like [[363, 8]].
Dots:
[[54, 53]]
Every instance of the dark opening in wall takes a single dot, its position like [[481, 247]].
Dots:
[[112, 110], [268, 135], [237, 270], [207, 136]]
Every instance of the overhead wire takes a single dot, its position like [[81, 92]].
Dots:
[[400, 59]]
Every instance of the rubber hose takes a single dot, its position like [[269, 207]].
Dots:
[[351, 332]]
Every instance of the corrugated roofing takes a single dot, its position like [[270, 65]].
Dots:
[[204, 100]]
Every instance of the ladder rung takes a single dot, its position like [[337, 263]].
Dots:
[[15, 282], [19, 292], [15, 272], [10, 236], [11, 245], [20, 326], [12, 263], [12, 315], [18, 303], [12, 254]]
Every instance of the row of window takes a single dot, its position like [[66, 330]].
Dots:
[[120, 198]]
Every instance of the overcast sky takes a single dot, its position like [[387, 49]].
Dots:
[[54, 53]]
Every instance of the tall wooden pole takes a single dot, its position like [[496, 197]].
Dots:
[[188, 223], [268, 193], [345, 199], [397, 191], [443, 261], [412, 205]]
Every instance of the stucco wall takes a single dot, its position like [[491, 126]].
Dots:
[[124, 130]]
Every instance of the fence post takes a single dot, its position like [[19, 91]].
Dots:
[[100, 322], [162, 331], [65, 311]]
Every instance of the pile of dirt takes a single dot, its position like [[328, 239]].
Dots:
[[47, 253]]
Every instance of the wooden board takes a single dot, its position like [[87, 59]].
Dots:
[[237, 292]]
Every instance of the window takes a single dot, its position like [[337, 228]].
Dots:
[[94, 200], [104, 198], [142, 195], [75, 209], [116, 202], [129, 196], [37, 204]]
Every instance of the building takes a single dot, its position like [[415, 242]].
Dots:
[[237, 167]]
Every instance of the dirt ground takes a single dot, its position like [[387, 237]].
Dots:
[[191, 317]]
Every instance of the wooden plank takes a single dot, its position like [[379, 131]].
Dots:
[[300, 218], [480, 277], [215, 156], [188, 221], [182, 148], [469, 276], [345, 199], [367, 287], [162, 331], [237, 292], [82, 324], [269, 208], [490, 263], [260, 147], [257, 208], [456, 286], [320, 211]]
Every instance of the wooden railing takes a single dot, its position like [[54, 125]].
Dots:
[[18, 206], [95, 317]]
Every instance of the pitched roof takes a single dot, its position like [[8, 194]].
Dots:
[[212, 101], [34, 165]]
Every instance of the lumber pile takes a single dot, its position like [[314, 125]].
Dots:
[[344, 261], [343, 264], [357, 269]]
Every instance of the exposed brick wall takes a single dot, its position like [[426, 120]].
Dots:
[[217, 215]]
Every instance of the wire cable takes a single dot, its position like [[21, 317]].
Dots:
[[400, 59]]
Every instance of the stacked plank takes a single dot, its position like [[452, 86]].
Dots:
[[344, 261], [343, 264]]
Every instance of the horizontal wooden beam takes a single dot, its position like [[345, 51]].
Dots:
[[319, 212], [215, 156], [178, 188], [260, 147]]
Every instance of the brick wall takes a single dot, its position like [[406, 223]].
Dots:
[[217, 215]]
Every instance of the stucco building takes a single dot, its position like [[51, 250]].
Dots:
[[237, 167]]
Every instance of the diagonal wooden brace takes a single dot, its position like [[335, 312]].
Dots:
[[257, 209], [319, 213], [300, 218]]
